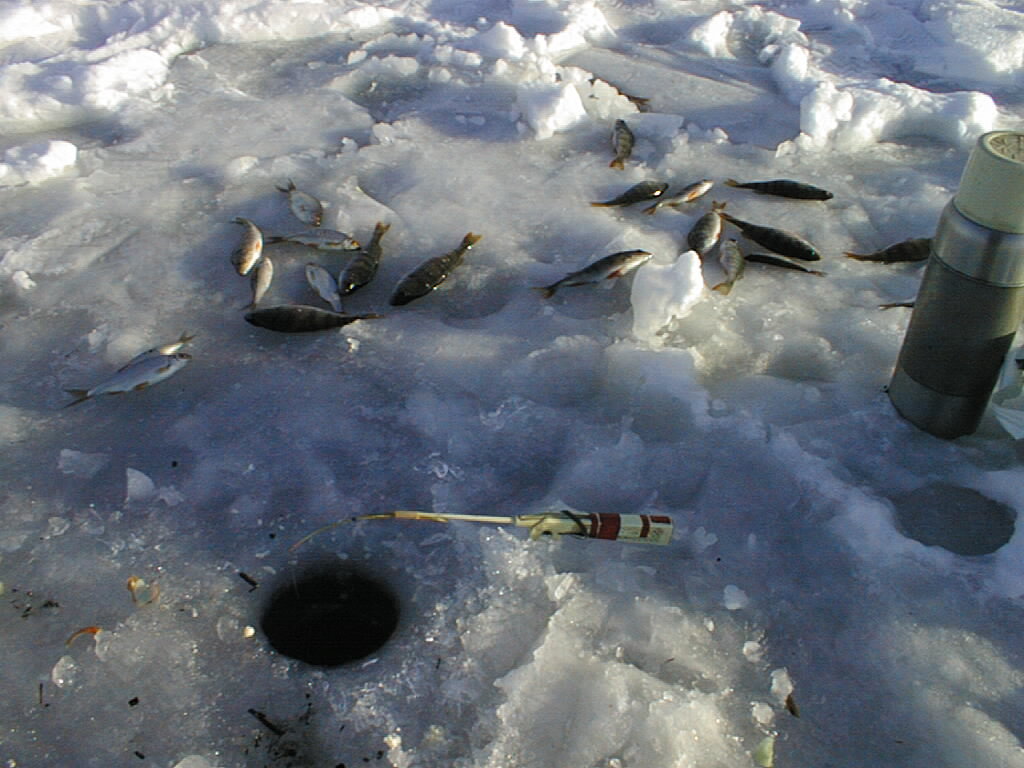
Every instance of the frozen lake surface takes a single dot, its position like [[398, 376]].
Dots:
[[835, 593]]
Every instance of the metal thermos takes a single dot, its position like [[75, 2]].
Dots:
[[971, 299]]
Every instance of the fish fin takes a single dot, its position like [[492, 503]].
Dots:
[[142, 384], [650, 210], [816, 272], [731, 183], [80, 395], [618, 163], [857, 256], [470, 240], [273, 239], [546, 291], [601, 205], [722, 288]]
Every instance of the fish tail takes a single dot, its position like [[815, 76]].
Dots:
[[732, 183], [80, 395], [618, 163], [857, 256], [601, 205], [817, 272], [722, 288], [289, 188], [381, 228], [546, 291], [470, 240], [718, 207]]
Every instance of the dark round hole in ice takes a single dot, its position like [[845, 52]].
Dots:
[[329, 616], [958, 519]]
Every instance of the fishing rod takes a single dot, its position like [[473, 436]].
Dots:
[[646, 529]]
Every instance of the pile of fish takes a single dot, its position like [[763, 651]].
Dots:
[[787, 250]]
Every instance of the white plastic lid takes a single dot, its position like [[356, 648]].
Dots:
[[992, 187]]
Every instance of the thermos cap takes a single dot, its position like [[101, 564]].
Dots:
[[992, 187]]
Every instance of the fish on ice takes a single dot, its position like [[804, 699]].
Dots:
[[917, 249], [136, 376], [305, 207], [323, 282], [301, 318], [706, 231], [781, 261], [607, 268], [687, 194], [261, 279], [164, 349], [320, 238], [731, 258], [795, 190], [778, 240], [645, 190], [249, 251], [363, 267], [431, 273], [622, 144]]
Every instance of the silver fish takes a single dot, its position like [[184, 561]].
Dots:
[[795, 190], [431, 273], [305, 207], [261, 280], [731, 258], [645, 190], [137, 376], [687, 194], [607, 268], [622, 144], [363, 267], [300, 318], [778, 240], [164, 349], [319, 238], [249, 251], [324, 284], [917, 249], [706, 231]]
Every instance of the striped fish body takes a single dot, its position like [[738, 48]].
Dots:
[[645, 190], [686, 195], [607, 268], [300, 318], [706, 231], [917, 249], [622, 144], [778, 240], [362, 269], [320, 238], [261, 280], [733, 263], [795, 190], [431, 273], [134, 377]]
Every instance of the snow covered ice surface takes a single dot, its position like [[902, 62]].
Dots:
[[135, 131]]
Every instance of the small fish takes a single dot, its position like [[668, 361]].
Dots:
[[706, 230], [305, 207], [783, 188], [917, 249], [164, 349], [607, 268], [732, 261], [249, 251], [645, 190], [779, 261], [319, 238], [138, 376], [300, 318], [778, 240], [363, 267], [261, 280], [686, 195], [622, 144], [324, 284], [431, 273]]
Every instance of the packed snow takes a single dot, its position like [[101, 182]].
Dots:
[[823, 601]]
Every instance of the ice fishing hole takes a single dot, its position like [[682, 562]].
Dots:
[[954, 518], [329, 615]]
